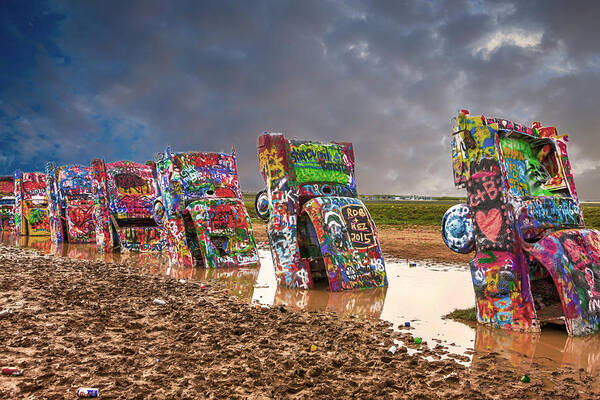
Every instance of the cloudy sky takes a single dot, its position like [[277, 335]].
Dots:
[[122, 79]]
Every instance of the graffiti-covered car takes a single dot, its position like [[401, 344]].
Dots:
[[534, 260], [317, 227], [124, 193], [7, 203], [70, 203], [202, 212], [31, 204]]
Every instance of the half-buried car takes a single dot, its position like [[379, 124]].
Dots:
[[201, 210]]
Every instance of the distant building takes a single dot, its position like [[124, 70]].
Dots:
[[389, 197]]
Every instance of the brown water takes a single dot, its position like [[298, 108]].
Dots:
[[421, 295]]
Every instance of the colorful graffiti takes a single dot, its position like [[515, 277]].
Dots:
[[457, 229], [537, 215], [7, 204], [124, 194], [500, 274], [348, 241], [531, 171], [70, 204], [532, 251], [316, 162], [317, 227], [201, 209], [573, 261], [31, 204]]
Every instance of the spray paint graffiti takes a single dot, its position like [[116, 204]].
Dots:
[[70, 204], [201, 209], [457, 229], [534, 260], [31, 204], [573, 258], [538, 215], [348, 241], [7, 204], [317, 227], [124, 194], [500, 274]]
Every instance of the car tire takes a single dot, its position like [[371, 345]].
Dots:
[[261, 205]]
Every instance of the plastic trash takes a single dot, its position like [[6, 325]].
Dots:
[[412, 264], [407, 324], [392, 350], [202, 286], [12, 371], [182, 281], [418, 340], [525, 378], [313, 348], [6, 312], [159, 302], [87, 392], [282, 309]]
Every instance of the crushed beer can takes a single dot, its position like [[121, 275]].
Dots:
[[13, 371], [87, 392]]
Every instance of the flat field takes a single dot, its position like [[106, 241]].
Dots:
[[407, 214], [411, 229]]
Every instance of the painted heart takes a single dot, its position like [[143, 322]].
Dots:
[[489, 223]]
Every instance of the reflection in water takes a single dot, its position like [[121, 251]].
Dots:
[[425, 293], [42, 243], [552, 347], [421, 295], [517, 349], [84, 252], [367, 303], [239, 281]]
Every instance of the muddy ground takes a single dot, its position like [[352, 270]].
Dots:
[[90, 323], [412, 242]]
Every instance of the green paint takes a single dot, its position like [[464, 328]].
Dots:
[[583, 299], [37, 215], [521, 165], [490, 259], [313, 162]]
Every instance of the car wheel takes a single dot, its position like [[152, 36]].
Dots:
[[261, 205]]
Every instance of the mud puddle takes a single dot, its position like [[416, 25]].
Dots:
[[419, 292]]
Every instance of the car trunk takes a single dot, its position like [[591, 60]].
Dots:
[[572, 259], [80, 221], [222, 228], [348, 243]]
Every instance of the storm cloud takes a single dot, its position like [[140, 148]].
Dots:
[[121, 80]]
